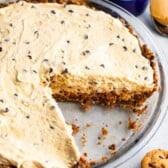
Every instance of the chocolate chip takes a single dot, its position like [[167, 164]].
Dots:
[[51, 127], [29, 56], [16, 94], [27, 116], [125, 48], [144, 68], [68, 41], [87, 52], [13, 59], [1, 100], [32, 6], [6, 40], [88, 26], [134, 50], [86, 67], [53, 11], [6, 110], [50, 70], [27, 42], [85, 36], [87, 14], [63, 63], [1, 49], [36, 33], [34, 71], [65, 71], [102, 65], [45, 60], [62, 21], [136, 66], [10, 24], [110, 44], [52, 107], [118, 36], [70, 11], [145, 78]]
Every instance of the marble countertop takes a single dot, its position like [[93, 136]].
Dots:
[[160, 139]]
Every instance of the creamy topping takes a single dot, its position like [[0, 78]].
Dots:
[[38, 41]]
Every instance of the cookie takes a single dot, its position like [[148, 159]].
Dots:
[[157, 158]]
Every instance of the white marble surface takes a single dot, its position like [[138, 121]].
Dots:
[[160, 140]]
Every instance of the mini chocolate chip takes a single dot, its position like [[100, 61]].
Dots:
[[29, 56], [10, 24], [53, 11], [62, 21], [52, 107], [70, 11], [27, 42], [88, 26], [118, 36], [68, 41], [62, 51], [6, 110], [51, 127], [25, 70], [50, 70], [85, 36], [139, 76], [63, 63], [145, 78], [14, 43], [16, 94], [27, 116], [1, 100], [144, 68], [87, 14], [123, 39], [65, 71], [136, 66], [102, 65], [36, 33], [13, 59], [34, 71], [32, 6], [87, 52], [45, 60], [134, 50], [110, 44], [86, 67], [6, 40], [125, 48], [0, 49]]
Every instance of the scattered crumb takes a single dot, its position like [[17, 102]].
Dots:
[[88, 125], [123, 139], [83, 139], [106, 125], [112, 153], [92, 163], [112, 147], [99, 138], [119, 122], [132, 125], [98, 143], [104, 131], [104, 159], [75, 129]]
